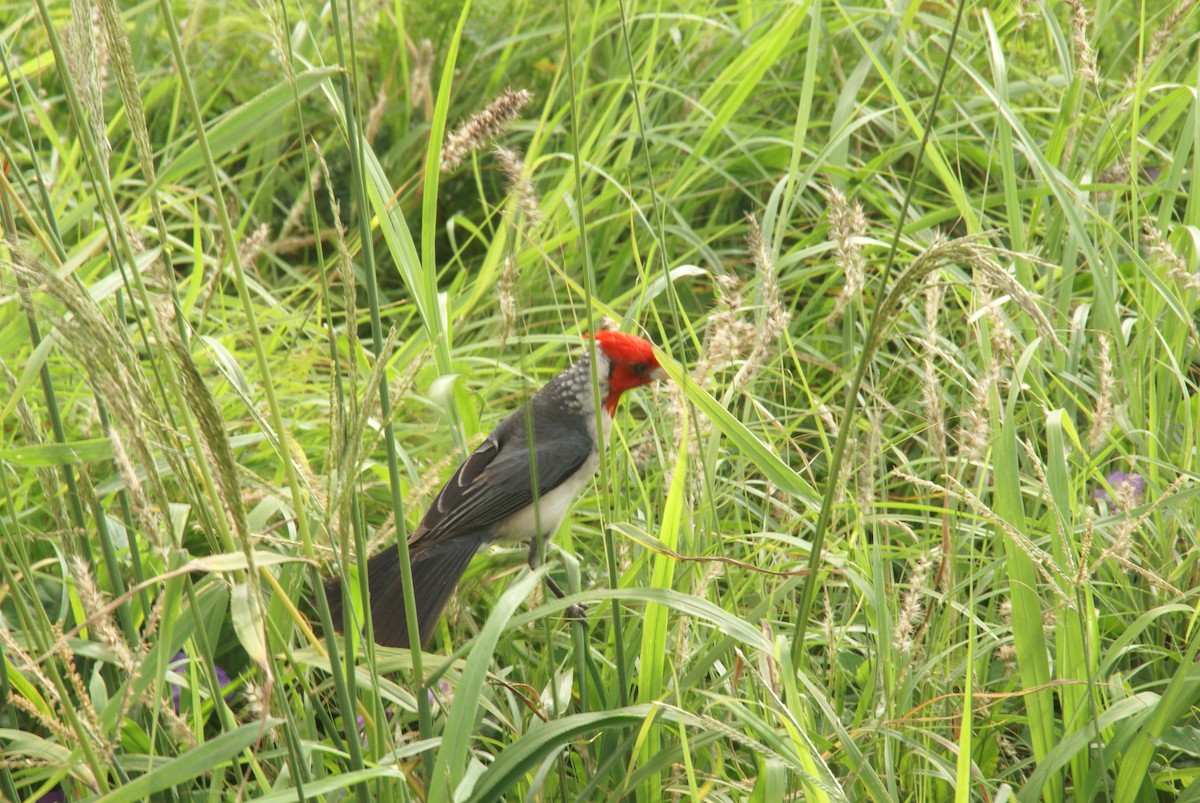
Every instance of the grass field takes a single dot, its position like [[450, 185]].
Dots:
[[917, 517]]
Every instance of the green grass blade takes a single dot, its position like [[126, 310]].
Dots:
[[206, 758]]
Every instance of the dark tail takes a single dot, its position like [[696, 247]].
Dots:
[[436, 570]]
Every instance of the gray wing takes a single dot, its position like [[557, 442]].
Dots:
[[496, 481]]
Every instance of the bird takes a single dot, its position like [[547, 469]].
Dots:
[[506, 492]]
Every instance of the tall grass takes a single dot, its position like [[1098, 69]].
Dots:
[[262, 286]]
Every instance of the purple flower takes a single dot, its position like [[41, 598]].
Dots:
[[178, 663], [1130, 490], [361, 722], [446, 693]]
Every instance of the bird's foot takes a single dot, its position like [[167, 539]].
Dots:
[[575, 613]]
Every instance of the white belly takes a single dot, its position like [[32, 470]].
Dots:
[[551, 507]]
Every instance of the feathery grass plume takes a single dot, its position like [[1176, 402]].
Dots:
[[49, 723], [1085, 548], [825, 413], [1049, 620], [378, 113], [113, 370], [728, 335], [343, 409], [1102, 411], [1165, 32], [1003, 340], [1081, 46], [252, 246], [178, 727], [828, 621], [971, 251], [911, 611], [258, 705], [1025, 14], [85, 709], [24, 662], [847, 223], [975, 426], [356, 443], [727, 338], [512, 165], [869, 456], [214, 443], [99, 619], [311, 482], [974, 433], [483, 127], [931, 386], [1006, 652], [510, 307], [299, 207], [274, 16], [1119, 550], [88, 71], [352, 438], [420, 88], [1162, 250], [117, 43], [773, 316]]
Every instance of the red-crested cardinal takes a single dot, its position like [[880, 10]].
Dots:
[[492, 495]]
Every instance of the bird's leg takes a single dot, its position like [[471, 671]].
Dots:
[[572, 612]]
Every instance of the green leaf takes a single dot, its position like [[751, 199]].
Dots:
[[542, 741], [247, 623], [33, 368], [43, 455]]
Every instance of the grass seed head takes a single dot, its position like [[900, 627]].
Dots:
[[484, 127]]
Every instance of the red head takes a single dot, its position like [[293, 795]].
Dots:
[[631, 364]]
